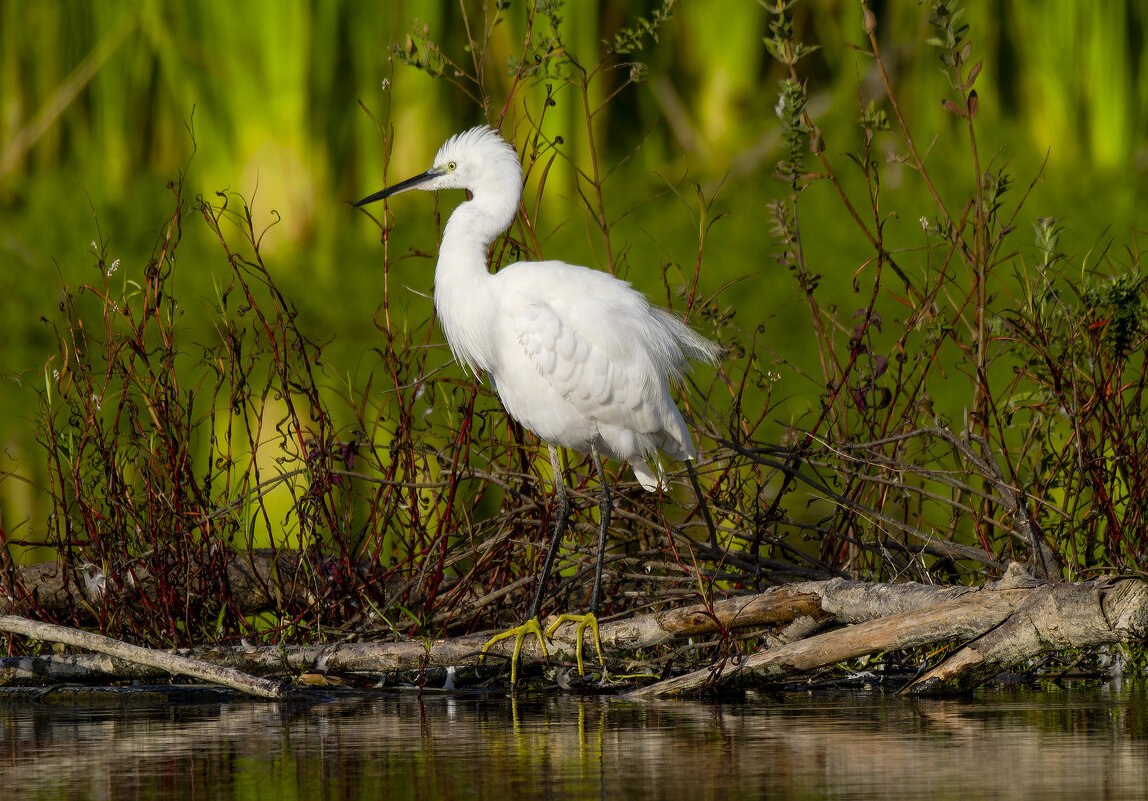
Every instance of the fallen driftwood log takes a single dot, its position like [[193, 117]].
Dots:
[[171, 663], [816, 625], [1001, 625]]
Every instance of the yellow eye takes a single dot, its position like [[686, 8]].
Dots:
[[450, 165]]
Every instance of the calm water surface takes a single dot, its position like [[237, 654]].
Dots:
[[1012, 743]]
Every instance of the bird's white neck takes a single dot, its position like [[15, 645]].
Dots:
[[462, 279], [475, 223]]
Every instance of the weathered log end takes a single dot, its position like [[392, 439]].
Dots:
[[1049, 617]]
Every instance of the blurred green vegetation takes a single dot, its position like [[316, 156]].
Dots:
[[103, 104]]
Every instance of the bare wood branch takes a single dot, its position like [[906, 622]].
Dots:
[[173, 663], [1043, 558], [951, 550], [967, 616]]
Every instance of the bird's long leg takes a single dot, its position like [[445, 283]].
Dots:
[[561, 518], [604, 508], [590, 619], [702, 503], [531, 624]]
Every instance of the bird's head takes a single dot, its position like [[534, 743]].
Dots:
[[478, 160]]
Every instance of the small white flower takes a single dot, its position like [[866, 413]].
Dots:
[[93, 244], [386, 84], [924, 223], [115, 266], [56, 374]]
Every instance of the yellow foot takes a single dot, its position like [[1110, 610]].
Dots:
[[519, 633], [586, 621]]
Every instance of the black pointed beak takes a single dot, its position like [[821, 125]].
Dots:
[[402, 186]]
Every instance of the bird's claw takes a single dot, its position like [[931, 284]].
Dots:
[[586, 621], [519, 633]]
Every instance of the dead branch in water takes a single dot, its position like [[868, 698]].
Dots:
[[175, 664]]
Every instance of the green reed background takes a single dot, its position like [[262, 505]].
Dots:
[[103, 104]]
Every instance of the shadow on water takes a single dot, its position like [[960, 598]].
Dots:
[[1010, 742]]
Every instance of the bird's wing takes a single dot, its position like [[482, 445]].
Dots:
[[601, 346], [598, 368]]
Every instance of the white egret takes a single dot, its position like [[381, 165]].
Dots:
[[577, 356]]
